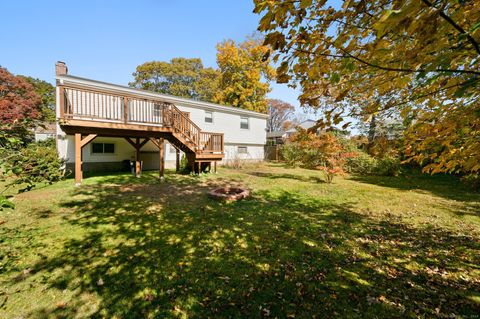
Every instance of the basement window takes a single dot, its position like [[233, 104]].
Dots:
[[103, 148], [242, 150]]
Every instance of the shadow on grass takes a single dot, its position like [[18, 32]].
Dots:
[[444, 186], [302, 178], [167, 250]]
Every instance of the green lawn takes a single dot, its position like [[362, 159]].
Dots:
[[121, 247]]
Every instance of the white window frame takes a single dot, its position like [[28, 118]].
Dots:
[[205, 118], [242, 147], [248, 122], [103, 148]]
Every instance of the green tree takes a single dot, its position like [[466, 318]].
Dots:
[[418, 57], [245, 72], [46, 91], [180, 77]]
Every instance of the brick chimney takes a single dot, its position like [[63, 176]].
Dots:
[[61, 68]]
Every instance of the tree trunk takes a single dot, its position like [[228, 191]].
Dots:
[[371, 133]]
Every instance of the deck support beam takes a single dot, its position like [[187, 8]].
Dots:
[[161, 153], [177, 160], [137, 145], [79, 144], [160, 143], [78, 159]]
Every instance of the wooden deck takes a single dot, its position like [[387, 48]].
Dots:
[[88, 113]]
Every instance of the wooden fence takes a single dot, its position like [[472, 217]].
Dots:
[[272, 152]]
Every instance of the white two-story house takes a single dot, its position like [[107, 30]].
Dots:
[[103, 126]]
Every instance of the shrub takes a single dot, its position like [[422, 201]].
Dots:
[[183, 166], [323, 152], [388, 166], [335, 156], [292, 154], [364, 164], [472, 180], [33, 164], [349, 144], [361, 164]]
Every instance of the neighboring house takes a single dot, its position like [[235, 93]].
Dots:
[[46, 132], [305, 125], [103, 126], [276, 137], [279, 137]]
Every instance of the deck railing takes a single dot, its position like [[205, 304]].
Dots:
[[93, 105], [211, 142]]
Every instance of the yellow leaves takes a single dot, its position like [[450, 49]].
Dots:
[[242, 67], [346, 4], [385, 22], [305, 3], [382, 44], [341, 95], [405, 112], [337, 118], [375, 63], [276, 40]]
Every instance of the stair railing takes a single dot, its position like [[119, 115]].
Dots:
[[176, 119]]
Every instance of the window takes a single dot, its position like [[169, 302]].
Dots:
[[103, 148], [208, 117], [157, 109], [244, 122], [172, 149], [242, 150]]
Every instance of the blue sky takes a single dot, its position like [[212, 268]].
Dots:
[[106, 40]]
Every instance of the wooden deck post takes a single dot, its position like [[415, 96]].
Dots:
[[137, 157], [177, 160], [159, 143], [137, 145], [137, 149], [61, 92], [199, 167], [215, 166], [79, 144], [161, 153], [78, 159]]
